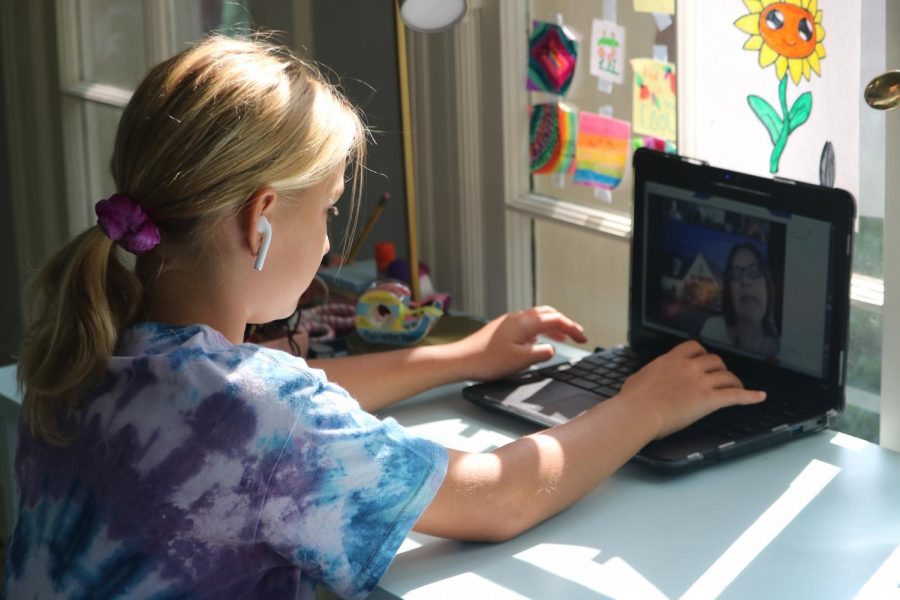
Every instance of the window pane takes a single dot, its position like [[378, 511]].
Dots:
[[114, 43], [863, 375], [642, 38], [867, 252], [101, 122], [864, 353], [195, 18]]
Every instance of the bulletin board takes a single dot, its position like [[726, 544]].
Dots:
[[621, 93]]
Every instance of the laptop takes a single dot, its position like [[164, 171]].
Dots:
[[712, 252]]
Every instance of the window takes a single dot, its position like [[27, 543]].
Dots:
[[598, 298], [105, 48]]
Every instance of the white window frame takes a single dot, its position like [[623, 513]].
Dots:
[[79, 90], [890, 357]]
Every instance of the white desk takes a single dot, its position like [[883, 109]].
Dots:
[[816, 518]]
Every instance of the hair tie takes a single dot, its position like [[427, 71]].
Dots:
[[126, 223]]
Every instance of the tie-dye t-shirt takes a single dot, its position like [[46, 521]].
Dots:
[[202, 469]]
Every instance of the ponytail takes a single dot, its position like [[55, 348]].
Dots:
[[76, 305], [202, 132]]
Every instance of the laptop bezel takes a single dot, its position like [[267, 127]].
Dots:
[[832, 205]]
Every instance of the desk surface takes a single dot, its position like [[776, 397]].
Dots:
[[815, 518]]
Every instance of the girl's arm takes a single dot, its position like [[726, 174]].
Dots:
[[502, 347], [498, 495]]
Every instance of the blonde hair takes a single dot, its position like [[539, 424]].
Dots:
[[203, 131]]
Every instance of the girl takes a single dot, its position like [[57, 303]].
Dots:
[[162, 457]]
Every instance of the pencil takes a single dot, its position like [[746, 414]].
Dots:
[[357, 244]]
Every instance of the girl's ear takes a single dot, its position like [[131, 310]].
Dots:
[[255, 232]]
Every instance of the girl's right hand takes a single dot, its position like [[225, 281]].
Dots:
[[684, 385]]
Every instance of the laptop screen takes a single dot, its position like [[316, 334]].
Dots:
[[738, 275]]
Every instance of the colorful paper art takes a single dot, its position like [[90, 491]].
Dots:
[[647, 141], [552, 56], [655, 6], [602, 151], [653, 108], [796, 54], [553, 135], [607, 56]]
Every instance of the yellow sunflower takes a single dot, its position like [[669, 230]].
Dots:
[[788, 33]]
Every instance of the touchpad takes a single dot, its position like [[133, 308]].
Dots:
[[554, 399]]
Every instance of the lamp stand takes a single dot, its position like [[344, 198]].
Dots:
[[408, 170]]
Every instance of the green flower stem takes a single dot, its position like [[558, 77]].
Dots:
[[785, 129]]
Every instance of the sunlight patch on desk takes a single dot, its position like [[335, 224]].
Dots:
[[407, 545], [416, 540], [464, 585], [451, 433], [760, 534], [615, 578], [885, 583], [849, 442]]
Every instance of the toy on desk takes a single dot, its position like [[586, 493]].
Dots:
[[385, 254], [385, 314], [399, 269]]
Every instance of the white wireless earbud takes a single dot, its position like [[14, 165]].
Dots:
[[265, 229]]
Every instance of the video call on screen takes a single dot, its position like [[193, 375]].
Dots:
[[738, 277]]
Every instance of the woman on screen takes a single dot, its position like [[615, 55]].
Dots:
[[747, 320]]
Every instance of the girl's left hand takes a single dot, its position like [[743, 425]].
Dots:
[[508, 344]]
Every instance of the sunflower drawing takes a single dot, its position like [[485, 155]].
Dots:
[[787, 34]]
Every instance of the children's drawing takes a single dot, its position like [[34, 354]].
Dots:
[[789, 35], [654, 143], [601, 153], [552, 56], [654, 98], [607, 56], [655, 6], [553, 134]]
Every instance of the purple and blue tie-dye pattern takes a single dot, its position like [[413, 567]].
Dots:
[[206, 470]]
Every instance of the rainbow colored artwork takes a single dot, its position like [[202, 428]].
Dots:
[[601, 154], [552, 56], [553, 136]]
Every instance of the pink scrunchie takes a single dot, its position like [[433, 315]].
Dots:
[[126, 223]]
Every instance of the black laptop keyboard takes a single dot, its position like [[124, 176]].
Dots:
[[604, 373], [741, 421]]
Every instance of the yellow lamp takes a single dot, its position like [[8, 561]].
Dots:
[[424, 16]]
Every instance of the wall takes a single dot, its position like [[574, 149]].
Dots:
[[595, 267], [356, 42], [9, 289], [33, 219]]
